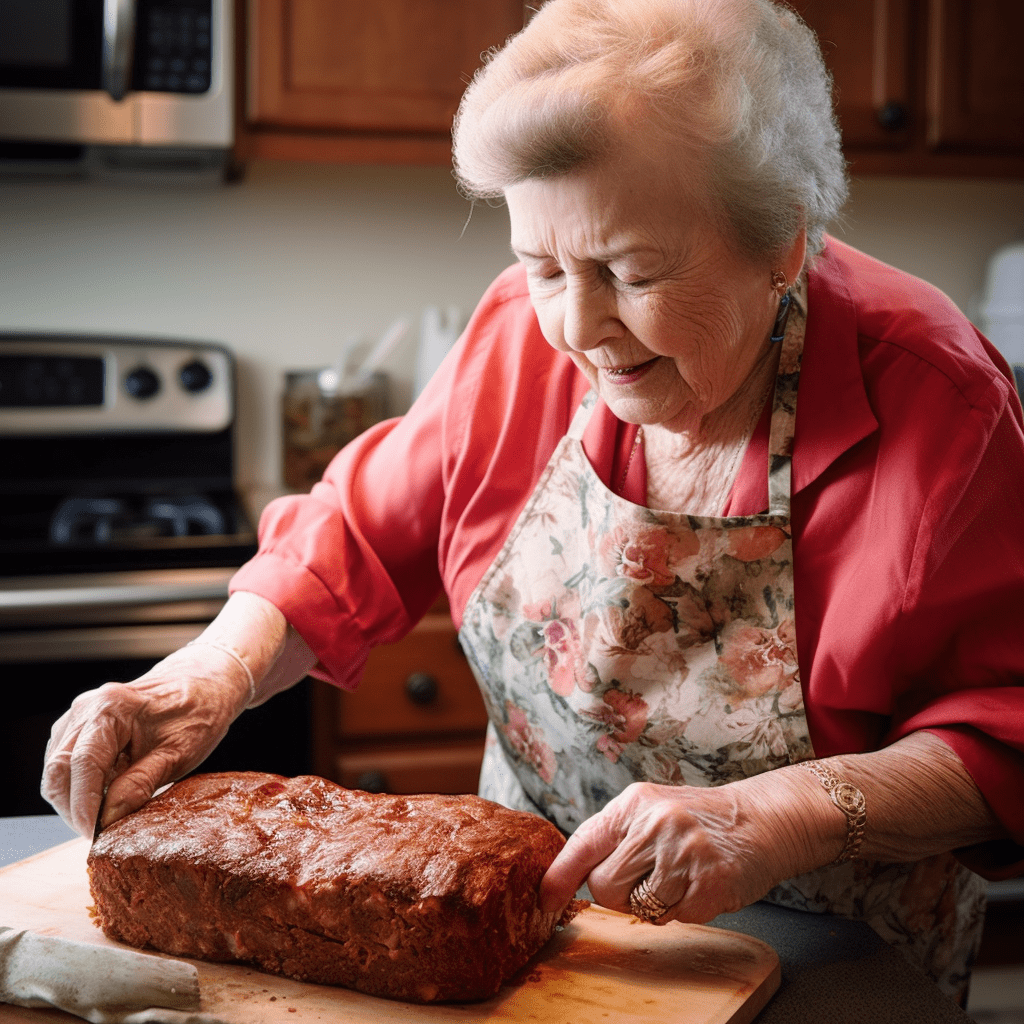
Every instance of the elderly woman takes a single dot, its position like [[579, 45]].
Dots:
[[729, 514]]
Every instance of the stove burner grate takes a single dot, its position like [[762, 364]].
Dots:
[[101, 520]]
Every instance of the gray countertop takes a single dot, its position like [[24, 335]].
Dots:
[[22, 837], [840, 972], [833, 970]]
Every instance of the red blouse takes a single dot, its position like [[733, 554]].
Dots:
[[908, 514]]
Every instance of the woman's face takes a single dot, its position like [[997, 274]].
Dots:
[[629, 276]]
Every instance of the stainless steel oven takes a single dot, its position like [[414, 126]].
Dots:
[[120, 527]]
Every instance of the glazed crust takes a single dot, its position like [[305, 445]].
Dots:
[[419, 898]]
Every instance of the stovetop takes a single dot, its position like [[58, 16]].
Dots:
[[123, 529], [117, 454]]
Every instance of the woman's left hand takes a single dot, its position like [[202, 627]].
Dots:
[[707, 851]]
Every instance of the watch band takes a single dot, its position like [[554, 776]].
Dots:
[[849, 799]]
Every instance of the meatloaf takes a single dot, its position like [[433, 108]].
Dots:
[[419, 898]]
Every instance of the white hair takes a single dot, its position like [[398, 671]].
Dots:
[[739, 86]]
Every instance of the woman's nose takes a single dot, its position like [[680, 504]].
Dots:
[[590, 318]]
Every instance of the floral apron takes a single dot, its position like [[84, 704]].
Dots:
[[615, 643]]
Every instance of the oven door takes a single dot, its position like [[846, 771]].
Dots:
[[52, 44], [62, 636], [122, 73], [116, 46]]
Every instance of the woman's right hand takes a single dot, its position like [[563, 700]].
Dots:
[[126, 740]]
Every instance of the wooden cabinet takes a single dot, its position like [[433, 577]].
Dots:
[[922, 86], [416, 723], [926, 86], [975, 86], [368, 81]]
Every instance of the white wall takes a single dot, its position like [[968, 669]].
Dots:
[[943, 231], [283, 266]]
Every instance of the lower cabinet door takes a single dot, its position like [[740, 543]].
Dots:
[[449, 767]]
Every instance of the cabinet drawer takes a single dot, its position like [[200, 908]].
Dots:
[[422, 684], [448, 768]]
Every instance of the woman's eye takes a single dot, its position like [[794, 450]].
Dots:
[[627, 280], [640, 282], [546, 274]]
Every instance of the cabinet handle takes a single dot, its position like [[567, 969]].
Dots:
[[893, 116], [372, 781], [421, 688]]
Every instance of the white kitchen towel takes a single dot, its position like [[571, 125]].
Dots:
[[102, 984]]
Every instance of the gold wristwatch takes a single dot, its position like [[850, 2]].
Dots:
[[849, 799]]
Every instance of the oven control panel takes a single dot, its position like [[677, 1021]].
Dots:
[[83, 385]]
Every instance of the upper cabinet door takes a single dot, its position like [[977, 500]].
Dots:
[[867, 47], [975, 91], [921, 86], [930, 87], [369, 66]]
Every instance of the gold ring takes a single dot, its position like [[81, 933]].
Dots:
[[644, 903]]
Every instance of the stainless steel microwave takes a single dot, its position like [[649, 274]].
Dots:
[[115, 84]]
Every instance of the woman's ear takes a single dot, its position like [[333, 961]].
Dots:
[[793, 263]]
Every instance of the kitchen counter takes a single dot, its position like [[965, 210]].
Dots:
[[839, 971], [832, 969]]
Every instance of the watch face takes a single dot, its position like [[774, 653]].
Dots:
[[848, 797]]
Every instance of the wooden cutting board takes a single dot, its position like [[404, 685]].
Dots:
[[604, 967]]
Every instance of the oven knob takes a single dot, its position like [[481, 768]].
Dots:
[[142, 383], [195, 377]]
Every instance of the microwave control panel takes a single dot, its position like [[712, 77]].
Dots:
[[173, 49]]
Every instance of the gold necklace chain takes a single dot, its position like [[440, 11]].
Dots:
[[755, 415]]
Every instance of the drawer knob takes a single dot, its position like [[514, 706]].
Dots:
[[421, 688], [893, 116], [372, 781]]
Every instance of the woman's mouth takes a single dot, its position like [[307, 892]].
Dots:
[[628, 374]]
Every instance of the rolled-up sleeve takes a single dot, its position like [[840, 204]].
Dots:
[[909, 533], [965, 610], [423, 502], [324, 562]]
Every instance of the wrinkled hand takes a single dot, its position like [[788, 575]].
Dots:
[[136, 737], [707, 851]]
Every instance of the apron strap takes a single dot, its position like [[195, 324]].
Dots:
[[582, 416], [783, 423]]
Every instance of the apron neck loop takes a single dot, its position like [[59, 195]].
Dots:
[[783, 422]]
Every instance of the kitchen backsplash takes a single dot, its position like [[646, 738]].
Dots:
[[287, 265]]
